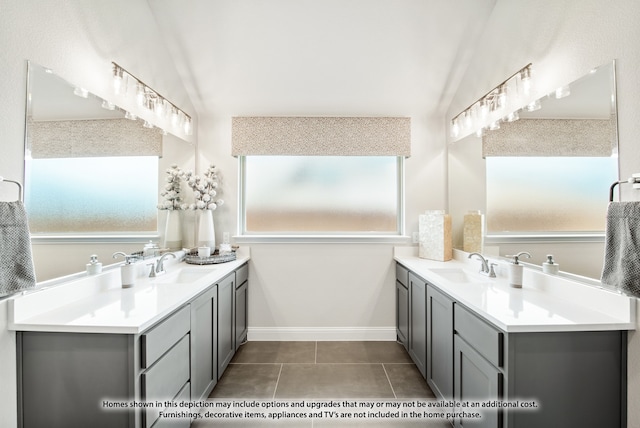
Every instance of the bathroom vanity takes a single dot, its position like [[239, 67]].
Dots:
[[91, 353], [556, 346]]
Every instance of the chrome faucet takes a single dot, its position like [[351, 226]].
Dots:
[[486, 268], [160, 264]]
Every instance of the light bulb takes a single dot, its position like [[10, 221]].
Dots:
[[140, 95], [480, 132], [130, 116], [108, 106], [187, 126], [483, 107], [159, 107], [494, 125], [512, 117], [455, 128], [175, 119], [81, 92], [147, 125], [533, 106], [562, 92], [117, 79]]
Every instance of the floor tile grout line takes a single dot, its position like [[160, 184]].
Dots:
[[389, 380], [277, 381]]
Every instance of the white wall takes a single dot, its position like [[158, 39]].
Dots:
[[78, 39], [564, 40], [311, 291]]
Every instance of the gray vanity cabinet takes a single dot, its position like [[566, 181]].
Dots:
[[226, 322], [577, 378], [402, 305], [418, 322], [204, 342], [77, 379], [241, 305], [439, 343]]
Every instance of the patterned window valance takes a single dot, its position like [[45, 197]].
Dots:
[[93, 138], [552, 137], [321, 136]]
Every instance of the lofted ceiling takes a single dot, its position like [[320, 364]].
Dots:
[[321, 57]]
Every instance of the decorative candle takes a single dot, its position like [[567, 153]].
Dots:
[[473, 232], [434, 229]]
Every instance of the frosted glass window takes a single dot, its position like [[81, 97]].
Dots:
[[548, 194], [321, 194], [115, 195]]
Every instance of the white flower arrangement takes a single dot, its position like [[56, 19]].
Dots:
[[204, 189], [171, 192]]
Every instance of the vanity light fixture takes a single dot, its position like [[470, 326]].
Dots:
[[151, 100], [488, 110]]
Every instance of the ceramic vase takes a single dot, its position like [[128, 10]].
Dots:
[[206, 232], [173, 230]]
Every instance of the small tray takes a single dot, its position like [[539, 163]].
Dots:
[[215, 258]]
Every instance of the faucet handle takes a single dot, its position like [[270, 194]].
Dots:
[[492, 272], [152, 272]]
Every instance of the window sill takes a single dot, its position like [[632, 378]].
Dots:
[[322, 239], [92, 239], [534, 238]]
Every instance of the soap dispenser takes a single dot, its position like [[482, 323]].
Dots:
[[550, 266], [127, 270], [516, 269], [94, 267]]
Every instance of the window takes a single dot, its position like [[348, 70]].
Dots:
[[555, 195], [302, 195], [92, 195]]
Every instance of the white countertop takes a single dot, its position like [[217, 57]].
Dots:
[[544, 303], [98, 304]]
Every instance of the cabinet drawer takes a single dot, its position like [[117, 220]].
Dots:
[[166, 378], [160, 338], [183, 396], [242, 274], [484, 338], [402, 275]]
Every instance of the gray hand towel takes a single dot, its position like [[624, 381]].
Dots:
[[621, 268], [16, 262]]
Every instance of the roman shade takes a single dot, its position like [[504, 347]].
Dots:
[[552, 137], [93, 138], [321, 136]]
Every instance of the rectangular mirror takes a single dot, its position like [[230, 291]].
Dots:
[[542, 181], [92, 175]]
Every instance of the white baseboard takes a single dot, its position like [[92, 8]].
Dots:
[[289, 334]]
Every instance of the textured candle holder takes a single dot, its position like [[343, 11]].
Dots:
[[434, 229]]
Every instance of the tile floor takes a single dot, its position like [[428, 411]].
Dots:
[[326, 371]]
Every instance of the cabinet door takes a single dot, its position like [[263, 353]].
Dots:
[[241, 314], [402, 313], [440, 343], [226, 309], [475, 379], [418, 322], [204, 368]]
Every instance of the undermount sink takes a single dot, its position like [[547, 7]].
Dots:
[[458, 275], [184, 275]]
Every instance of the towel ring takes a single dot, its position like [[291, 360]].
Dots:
[[20, 193], [634, 179]]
